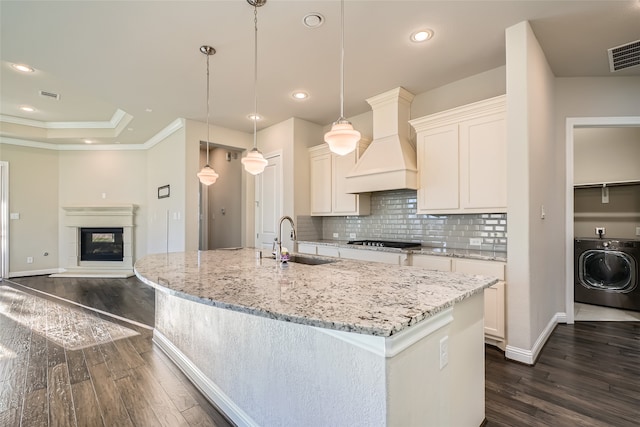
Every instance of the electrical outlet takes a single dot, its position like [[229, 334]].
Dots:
[[444, 351], [336, 235], [637, 231], [29, 260], [600, 231], [352, 235], [475, 241]]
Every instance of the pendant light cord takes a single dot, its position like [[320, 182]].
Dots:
[[208, 54], [255, 76], [341, 59]]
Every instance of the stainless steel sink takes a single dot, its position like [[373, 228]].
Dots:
[[310, 260]]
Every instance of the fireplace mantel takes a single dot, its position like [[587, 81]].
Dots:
[[82, 216]]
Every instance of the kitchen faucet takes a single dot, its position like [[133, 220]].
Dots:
[[293, 232]]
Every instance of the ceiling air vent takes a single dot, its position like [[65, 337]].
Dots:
[[55, 96], [625, 56]]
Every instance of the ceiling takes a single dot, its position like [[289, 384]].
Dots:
[[125, 70]]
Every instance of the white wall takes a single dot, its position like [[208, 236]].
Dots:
[[535, 268]]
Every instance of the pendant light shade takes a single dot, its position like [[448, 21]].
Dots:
[[342, 138], [254, 162], [207, 175]]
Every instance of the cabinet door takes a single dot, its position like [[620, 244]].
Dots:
[[438, 169], [343, 203], [320, 172], [494, 311], [483, 163]]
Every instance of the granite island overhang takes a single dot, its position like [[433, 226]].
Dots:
[[342, 343]]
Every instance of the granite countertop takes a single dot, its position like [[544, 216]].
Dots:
[[487, 255], [355, 296]]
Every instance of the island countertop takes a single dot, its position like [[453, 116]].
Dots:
[[354, 296]]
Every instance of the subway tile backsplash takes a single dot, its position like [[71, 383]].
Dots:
[[393, 217]]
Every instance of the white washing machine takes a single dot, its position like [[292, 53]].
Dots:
[[606, 272]]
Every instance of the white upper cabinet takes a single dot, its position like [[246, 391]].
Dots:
[[462, 159], [328, 173]]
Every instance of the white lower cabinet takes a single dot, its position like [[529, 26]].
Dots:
[[356, 254], [494, 296]]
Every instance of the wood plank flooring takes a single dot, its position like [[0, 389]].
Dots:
[[588, 374], [50, 376]]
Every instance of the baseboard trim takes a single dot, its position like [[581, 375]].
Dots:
[[34, 272], [529, 357], [210, 389]]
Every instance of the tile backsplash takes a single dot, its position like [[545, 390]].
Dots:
[[393, 217]]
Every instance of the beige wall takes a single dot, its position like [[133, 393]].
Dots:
[[166, 218], [620, 216], [535, 270], [118, 175], [33, 193], [225, 204], [606, 154]]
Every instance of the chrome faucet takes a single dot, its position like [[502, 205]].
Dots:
[[293, 232]]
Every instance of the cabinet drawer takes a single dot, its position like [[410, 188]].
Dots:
[[483, 268], [304, 248], [372, 256], [438, 263], [328, 251]]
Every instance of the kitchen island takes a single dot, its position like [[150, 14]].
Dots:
[[340, 343]]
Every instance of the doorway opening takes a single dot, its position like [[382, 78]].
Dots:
[[221, 203], [573, 124]]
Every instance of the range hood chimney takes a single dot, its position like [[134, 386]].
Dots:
[[389, 163]]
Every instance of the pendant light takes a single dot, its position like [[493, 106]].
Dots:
[[254, 162], [342, 138], [207, 175]]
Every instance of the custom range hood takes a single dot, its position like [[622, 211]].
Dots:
[[389, 163]]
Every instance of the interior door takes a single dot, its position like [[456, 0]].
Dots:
[[268, 202]]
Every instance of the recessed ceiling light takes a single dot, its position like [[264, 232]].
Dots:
[[256, 117], [27, 108], [421, 35], [22, 67], [88, 141], [299, 94], [148, 110], [130, 129], [313, 20]]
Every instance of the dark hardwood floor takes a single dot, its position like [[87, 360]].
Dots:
[[65, 365], [588, 374]]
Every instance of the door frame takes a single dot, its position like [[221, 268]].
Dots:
[[256, 218], [571, 124], [4, 219]]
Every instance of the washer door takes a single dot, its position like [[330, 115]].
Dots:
[[607, 270]]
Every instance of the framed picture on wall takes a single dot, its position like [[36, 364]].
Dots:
[[163, 192]]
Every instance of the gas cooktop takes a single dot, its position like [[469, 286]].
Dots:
[[384, 244]]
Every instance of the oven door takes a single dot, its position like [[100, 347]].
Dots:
[[607, 270]]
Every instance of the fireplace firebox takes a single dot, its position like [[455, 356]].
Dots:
[[101, 244]]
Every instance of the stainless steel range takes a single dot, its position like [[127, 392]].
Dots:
[[384, 244]]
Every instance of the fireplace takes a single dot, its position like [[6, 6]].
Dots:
[[98, 241], [101, 244]]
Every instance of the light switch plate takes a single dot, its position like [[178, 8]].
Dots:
[[637, 231], [14, 215], [336, 235]]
